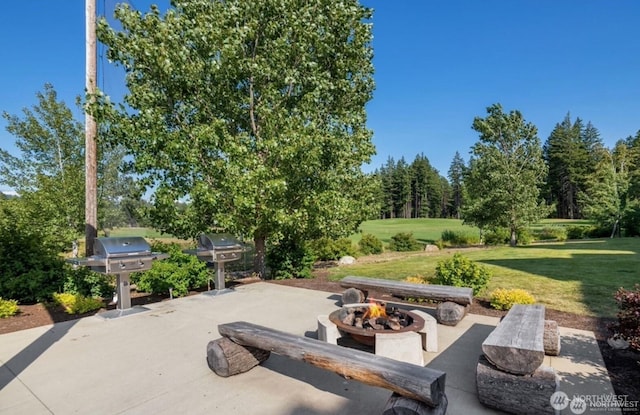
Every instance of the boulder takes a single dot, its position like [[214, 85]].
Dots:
[[347, 260], [450, 313]]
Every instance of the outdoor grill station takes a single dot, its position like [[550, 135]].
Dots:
[[218, 249], [120, 256]]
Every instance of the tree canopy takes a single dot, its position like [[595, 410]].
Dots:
[[253, 112], [49, 172], [505, 173]]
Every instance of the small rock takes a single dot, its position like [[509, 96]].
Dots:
[[618, 343], [346, 260], [450, 313], [431, 248]]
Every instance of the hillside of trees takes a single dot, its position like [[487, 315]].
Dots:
[[584, 180]]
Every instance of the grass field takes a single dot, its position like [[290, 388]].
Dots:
[[575, 276], [144, 232], [424, 230]]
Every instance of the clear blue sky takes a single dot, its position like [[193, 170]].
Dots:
[[438, 65]]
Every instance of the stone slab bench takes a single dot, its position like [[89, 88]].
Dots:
[[510, 376], [416, 389], [452, 301]]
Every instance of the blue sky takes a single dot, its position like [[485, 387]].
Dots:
[[438, 65]]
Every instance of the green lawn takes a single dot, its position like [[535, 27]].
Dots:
[[576, 276], [144, 232], [424, 230]]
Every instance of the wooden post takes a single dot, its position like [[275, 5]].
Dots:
[[91, 175]]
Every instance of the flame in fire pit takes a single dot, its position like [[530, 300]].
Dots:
[[375, 310]]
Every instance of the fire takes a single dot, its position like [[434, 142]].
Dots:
[[375, 310]]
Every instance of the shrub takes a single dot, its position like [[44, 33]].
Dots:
[[498, 236], [577, 232], [180, 271], [30, 269], [326, 249], [503, 299], [403, 242], [460, 271], [8, 308], [551, 233], [290, 258], [86, 282], [628, 324], [77, 303], [459, 238], [370, 244], [417, 279], [523, 237]]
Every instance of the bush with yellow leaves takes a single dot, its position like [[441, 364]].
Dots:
[[503, 299]]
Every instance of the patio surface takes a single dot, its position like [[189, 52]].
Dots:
[[154, 362]]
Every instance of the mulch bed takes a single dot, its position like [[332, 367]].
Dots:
[[623, 365]]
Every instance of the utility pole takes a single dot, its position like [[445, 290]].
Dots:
[[91, 130]]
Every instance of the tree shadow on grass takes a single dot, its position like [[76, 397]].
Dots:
[[603, 267]]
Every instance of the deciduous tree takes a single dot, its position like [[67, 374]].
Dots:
[[252, 112], [505, 174]]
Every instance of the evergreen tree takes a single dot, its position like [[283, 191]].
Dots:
[[456, 181]]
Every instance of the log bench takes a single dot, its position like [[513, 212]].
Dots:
[[510, 376], [417, 390], [452, 301]]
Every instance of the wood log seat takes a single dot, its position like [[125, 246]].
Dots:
[[452, 305], [417, 389], [512, 364]]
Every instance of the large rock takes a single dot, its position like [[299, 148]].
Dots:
[[431, 248], [347, 260], [353, 296], [450, 313]]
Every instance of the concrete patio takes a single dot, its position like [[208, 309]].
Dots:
[[155, 362]]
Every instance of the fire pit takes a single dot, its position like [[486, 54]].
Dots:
[[120, 256], [364, 321]]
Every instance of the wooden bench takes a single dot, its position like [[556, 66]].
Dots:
[[417, 389], [453, 301], [510, 376]]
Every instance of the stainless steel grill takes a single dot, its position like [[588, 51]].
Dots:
[[218, 248], [121, 256]]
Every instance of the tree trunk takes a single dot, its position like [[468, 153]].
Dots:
[[530, 394], [227, 358], [516, 344], [259, 264], [513, 240], [413, 381], [551, 339], [401, 405]]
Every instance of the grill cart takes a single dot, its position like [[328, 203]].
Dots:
[[218, 248], [121, 256]]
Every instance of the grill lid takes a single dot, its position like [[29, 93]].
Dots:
[[110, 247], [217, 241]]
